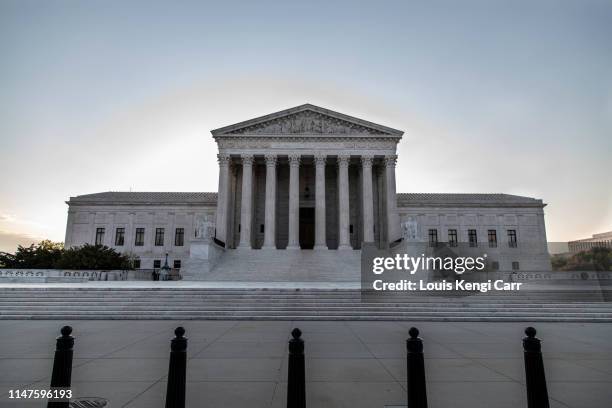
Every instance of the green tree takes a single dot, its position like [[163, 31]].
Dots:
[[43, 255], [558, 262], [595, 259], [52, 255], [93, 257]]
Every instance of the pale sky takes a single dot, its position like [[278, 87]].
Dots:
[[493, 97]]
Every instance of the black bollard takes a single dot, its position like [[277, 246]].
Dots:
[[415, 365], [537, 394], [62, 365], [296, 376], [177, 372]]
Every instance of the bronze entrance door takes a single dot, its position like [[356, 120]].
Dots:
[[307, 228]]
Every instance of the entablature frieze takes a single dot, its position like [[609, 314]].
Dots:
[[335, 147]]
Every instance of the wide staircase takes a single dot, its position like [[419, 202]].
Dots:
[[281, 265], [304, 304]]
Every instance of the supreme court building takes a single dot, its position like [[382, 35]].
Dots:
[[304, 178]]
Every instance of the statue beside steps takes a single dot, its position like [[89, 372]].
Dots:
[[204, 253]]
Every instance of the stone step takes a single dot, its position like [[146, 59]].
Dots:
[[409, 300], [318, 318], [365, 300], [252, 292], [284, 265], [290, 304], [420, 300], [41, 303], [356, 308], [248, 292], [298, 312], [254, 289], [313, 300]]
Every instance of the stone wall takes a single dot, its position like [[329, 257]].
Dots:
[[84, 220], [62, 275], [528, 221], [531, 251]]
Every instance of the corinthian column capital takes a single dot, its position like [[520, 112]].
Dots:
[[391, 160], [270, 160], [294, 159], [343, 160], [223, 159], [320, 159], [366, 160], [247, 159]]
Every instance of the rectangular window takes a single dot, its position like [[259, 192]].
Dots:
[[119, 236], [177, 264], [452, 237], [472, 238], [433, 237], [515, 266], [139, 237], [157, 264], [492, 238], [99, 236], [495, 266], [136, 263], [179, 237], [261, 228], [159, 237], [512, 238]]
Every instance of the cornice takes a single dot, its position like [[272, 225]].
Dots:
[[243, 128]]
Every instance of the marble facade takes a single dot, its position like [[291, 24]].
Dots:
[[303, 178]]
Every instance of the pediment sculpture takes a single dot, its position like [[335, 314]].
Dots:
[[307, 122]]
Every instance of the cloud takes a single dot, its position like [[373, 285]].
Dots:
[[10, 240], [13, 219]]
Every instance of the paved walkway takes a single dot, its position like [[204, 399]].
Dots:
[[349, 364]]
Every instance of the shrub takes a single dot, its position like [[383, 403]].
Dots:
[[595, 259], [53, 255], [43, 255], [92, 257]]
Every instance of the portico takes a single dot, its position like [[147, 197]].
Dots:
[[306, 178]]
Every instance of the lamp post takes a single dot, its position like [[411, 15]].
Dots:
[[165, 270]]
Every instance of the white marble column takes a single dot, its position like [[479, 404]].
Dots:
[[232, 205], [294, 202], [270, 214], [368, 199], [393, 232], [222, 199], [320, 237], [247, 201], [343, 201]]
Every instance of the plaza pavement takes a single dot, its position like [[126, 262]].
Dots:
[[349, 364]]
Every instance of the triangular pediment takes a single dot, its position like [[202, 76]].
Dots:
[[306, 120]]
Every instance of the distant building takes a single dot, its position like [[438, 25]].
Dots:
[[603, 240]]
